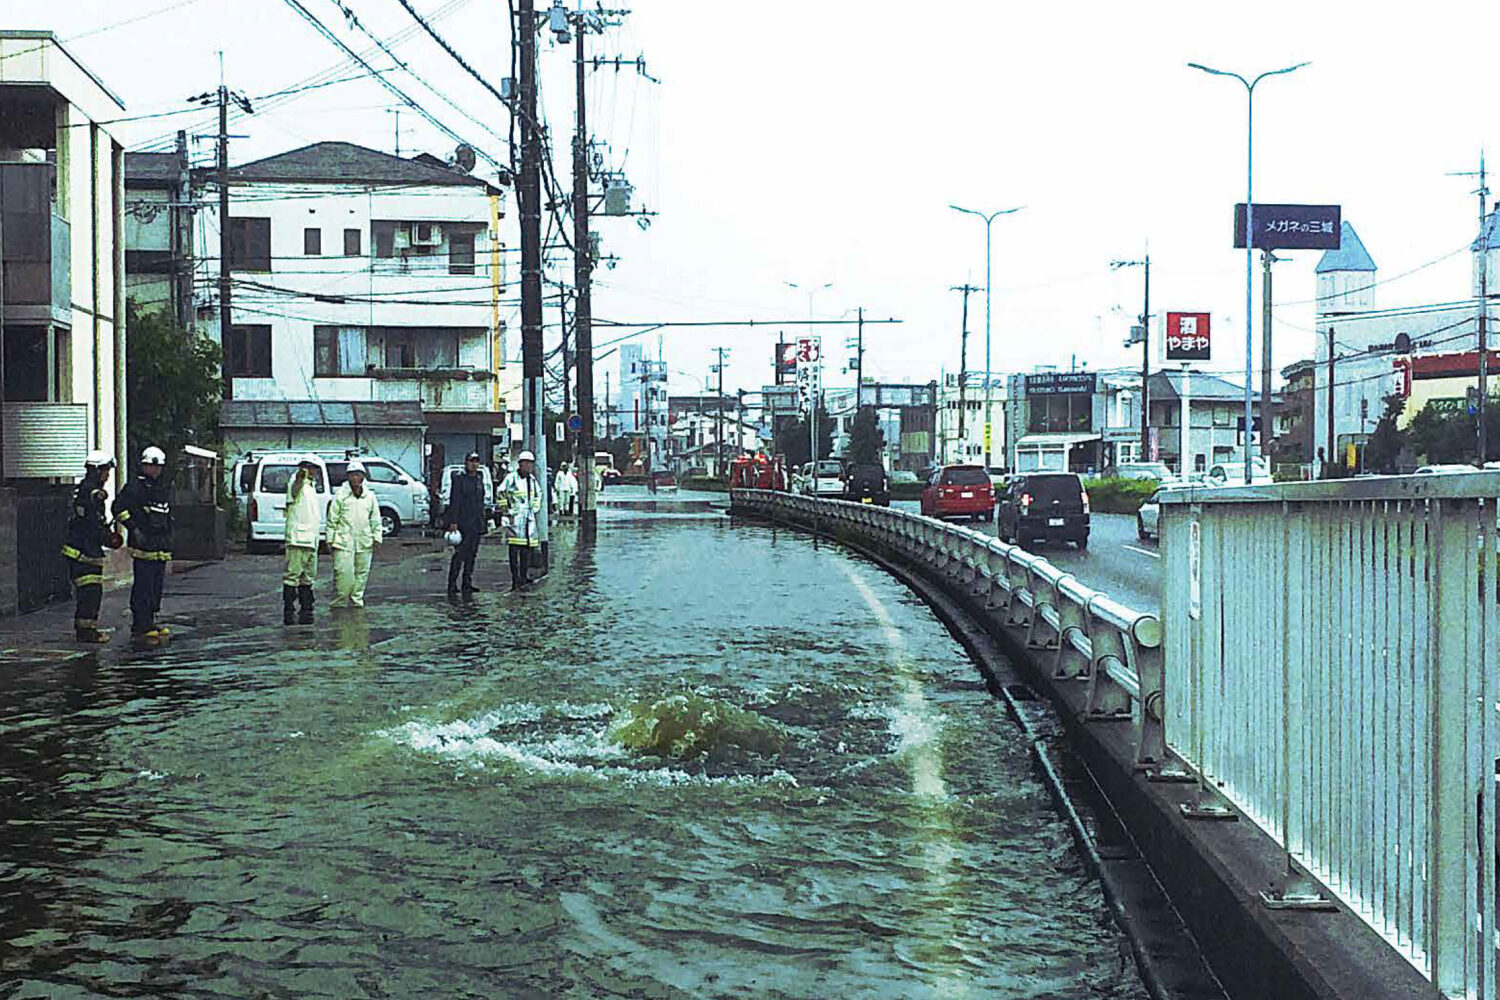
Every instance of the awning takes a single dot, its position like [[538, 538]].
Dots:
[[313, 413], [1051, 441]]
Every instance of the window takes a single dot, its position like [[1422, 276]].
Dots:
[[461, 251], [383, 238], [312, 242], [1223, 416], [351, 243], [250, 244], [276, 478], [379, 472], [338, 350], [248, 353], [400, 352]]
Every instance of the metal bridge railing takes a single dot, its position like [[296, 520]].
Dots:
[[1334, 656], [1089, 638]]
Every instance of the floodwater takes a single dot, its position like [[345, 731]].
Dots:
[[704, 760]]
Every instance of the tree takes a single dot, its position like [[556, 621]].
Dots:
[[1452, 436], [172, 385], [866, 439], [792, 437], [1384, 448]]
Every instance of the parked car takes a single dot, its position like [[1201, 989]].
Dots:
[[1441, 469], [867, 482], [663, 481], [1159, 471], [998, 475], [904, 477], [403, 497], [824, 478], [492, 504], [268, 474], [1038, 505], [959, 491], [1148, 518], [1233, 473]]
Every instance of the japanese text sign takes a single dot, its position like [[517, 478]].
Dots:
[[1291, 227], [1187, 336]]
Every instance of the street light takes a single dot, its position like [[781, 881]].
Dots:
[[988, 392], [1249, 242], [811, 290]]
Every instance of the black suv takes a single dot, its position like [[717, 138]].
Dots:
[[1038, 505], [866, 482]]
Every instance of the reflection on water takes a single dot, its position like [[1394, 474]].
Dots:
[[703, 760]]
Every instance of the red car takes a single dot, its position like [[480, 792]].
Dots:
[[959, 491]]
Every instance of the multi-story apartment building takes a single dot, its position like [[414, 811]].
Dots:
[[61, 261], [365, 293]]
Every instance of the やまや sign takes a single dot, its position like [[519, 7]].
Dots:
[[1187, 336], [1291, 227]]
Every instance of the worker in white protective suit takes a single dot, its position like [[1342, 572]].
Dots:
[[565, 492], [520, 502], [353, 532]]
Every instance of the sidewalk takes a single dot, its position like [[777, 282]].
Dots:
[[241, 590]]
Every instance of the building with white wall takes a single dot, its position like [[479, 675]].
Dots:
[[962, 440], [364, 278], [61, 261]]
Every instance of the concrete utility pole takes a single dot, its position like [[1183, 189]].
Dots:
[[963, 367], [182, 237], [719, 411], [529, 198], [1145, 338], [562, 325], [226, 322], [583, 318], [1484, 311], [1328, 457]]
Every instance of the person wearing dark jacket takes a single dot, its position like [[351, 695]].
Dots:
[[144, 508], [466, 503], [88, 534]]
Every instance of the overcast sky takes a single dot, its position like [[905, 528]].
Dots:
[[823, 141]]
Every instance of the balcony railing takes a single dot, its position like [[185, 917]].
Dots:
[[436, 389]]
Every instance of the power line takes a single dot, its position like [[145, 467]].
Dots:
[[432, 33]]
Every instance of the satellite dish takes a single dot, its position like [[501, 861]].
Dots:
[[463, 157]]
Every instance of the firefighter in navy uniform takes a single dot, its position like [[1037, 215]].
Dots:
[[88, 534], [144, 507]]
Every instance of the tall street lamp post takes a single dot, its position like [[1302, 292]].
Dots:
[[988, 377], [1249, 242]]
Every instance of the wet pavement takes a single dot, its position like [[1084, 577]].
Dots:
[[1117, 561], [701, 759]]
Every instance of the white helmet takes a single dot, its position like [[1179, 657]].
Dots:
[[153, 456], [356, 466], [526, 456], [99, 460], [454, 537]]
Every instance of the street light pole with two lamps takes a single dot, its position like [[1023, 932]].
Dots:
[[1250, 244], [988, 392]]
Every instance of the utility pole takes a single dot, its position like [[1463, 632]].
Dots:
[[719, 411], [1484, 311], [1328, 457], [859, 361], [226, 327], [562, 323], [583, 271], [963, 368], [1146, 365], [528, 196], [1267, 408]]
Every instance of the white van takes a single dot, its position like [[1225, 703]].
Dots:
[[266, 476], [403, 497]]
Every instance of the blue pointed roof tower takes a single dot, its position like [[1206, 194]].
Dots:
[[1350, 256]]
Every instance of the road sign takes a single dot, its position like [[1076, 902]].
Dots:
[[1291, 227], [1187, 336], [575, 423]]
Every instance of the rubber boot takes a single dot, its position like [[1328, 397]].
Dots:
[[305, 595], [288, 605], [90, 634]]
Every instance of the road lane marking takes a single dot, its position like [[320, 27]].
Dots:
[[1144, 552]]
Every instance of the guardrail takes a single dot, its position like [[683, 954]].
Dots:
[[1090, 638], [1334, 652]]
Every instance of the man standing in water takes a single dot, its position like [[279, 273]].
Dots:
[[353, 532], [88, 534], [465, 513], [520, 501], [144, 507], [304, 522]]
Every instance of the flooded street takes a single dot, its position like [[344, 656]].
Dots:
[[703, 759]]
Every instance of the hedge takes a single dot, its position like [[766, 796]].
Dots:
[[1119, 496]]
